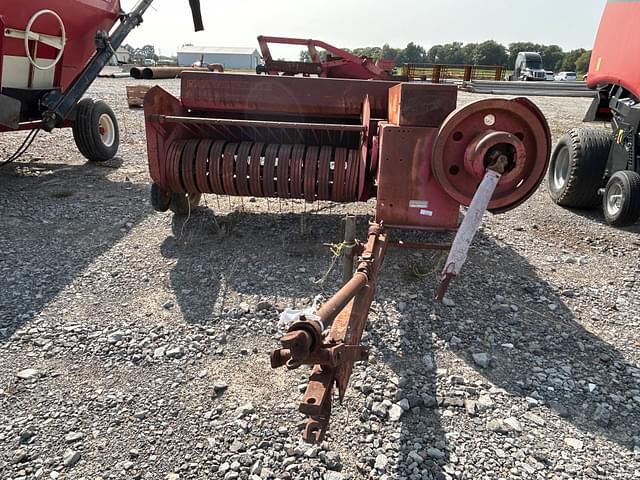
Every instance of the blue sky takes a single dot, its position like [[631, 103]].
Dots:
[[353, 23]]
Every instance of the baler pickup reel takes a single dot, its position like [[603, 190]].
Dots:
[[345, 141]]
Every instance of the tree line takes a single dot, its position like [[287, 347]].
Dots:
[[485, 53]]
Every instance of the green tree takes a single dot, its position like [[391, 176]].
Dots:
[[489, 53], [451, 53], [583, 61], [370, 52], [468, 53], [570, 59], [389, 53], [304, 56], [552, 57], [413, 53]]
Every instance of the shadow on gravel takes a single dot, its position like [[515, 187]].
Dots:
[[249, 253], [540, 351], [596, 215], [535, 352], [56, 219]]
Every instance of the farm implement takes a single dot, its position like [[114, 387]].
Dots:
[[345, 141], [50, 53], [335, 63]]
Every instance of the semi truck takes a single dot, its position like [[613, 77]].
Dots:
[[590, 165], [529, 67]]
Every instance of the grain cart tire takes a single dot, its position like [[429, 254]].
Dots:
[[577, 167], [160, 199], [95, 130], [184, 203], [621, 199]]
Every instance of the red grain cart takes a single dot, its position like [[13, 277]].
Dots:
[[50, 53], [592, 166]]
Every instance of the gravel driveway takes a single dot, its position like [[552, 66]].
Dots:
[[134, 345]]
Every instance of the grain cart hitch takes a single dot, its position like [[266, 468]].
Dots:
[[345, 141]]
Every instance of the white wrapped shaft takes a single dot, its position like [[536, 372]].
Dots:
[[471, 224]]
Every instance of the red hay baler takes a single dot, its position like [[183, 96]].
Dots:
[[592, 166]]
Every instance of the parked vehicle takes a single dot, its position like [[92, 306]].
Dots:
[[592, 166], [549, 76], [529, 67], [566, 77]]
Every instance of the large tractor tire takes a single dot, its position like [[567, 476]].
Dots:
[[578, 162], [96, 131], [621, 199]]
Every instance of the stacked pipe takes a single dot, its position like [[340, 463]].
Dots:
[[149, 73]]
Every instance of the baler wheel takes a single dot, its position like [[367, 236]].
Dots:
[[160, 199], [621, 200], [522, 129], [95, 130], [576, 173]]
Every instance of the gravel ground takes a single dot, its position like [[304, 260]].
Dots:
[[133, 345]]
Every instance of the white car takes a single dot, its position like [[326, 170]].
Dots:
[[566, 77], [549, 76]]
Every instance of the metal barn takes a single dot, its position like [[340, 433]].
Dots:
[[230, 57]]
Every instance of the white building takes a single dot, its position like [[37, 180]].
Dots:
[[230, 57], [122, 56]]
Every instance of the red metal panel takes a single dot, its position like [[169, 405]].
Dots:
[[617, 48], [409, 196], [82, 19], [285, 95], [2, 41], [421, 105], [160, 136]]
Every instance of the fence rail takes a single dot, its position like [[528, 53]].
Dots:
[[436, 73]]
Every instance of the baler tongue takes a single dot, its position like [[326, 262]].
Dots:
[[344, 141]]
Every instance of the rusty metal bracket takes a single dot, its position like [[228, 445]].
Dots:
[[340, 349]]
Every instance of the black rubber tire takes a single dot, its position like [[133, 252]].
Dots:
[[627, 183], [83, 108], [183, 204], [587, 152], [86, 131], [160, 199]]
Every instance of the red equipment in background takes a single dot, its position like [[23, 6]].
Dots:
[[50, 53], [589, 166], [345, 141], [337, 64], [616, 48]]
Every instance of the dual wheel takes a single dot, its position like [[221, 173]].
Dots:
[[577, 177], [95, 130]]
